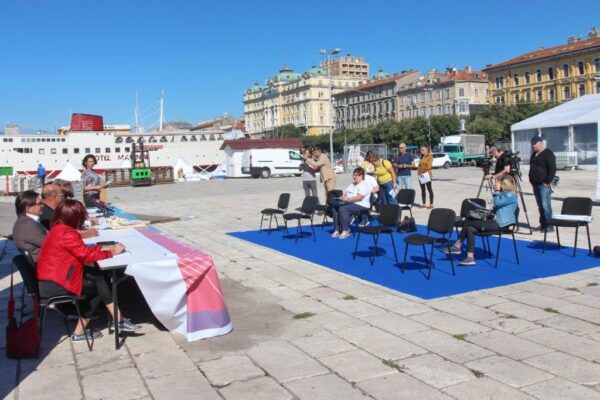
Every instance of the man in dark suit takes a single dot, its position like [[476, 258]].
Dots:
[[28, 233], [51, 198]]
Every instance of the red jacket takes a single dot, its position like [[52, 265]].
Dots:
[[62, 257]]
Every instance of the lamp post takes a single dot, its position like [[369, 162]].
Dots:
[[329, 53]]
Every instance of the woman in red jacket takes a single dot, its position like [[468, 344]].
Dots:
[[61, 270]]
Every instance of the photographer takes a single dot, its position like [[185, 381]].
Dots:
[[503, 163], [542, 170]]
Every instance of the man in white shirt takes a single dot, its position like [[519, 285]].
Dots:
[[357, 200]]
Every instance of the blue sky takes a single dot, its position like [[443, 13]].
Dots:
[[68, 56]]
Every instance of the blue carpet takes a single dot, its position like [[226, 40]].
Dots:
[[336, 254]]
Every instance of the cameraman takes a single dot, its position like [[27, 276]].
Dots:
[[542, 170], [503, 163]]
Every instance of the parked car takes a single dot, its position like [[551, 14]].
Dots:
[[440, 160], [266, 162]]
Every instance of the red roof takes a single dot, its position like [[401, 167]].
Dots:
[[243, 144], [549, 52], [377, 82]]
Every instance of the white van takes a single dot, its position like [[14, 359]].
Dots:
[[266, 162]]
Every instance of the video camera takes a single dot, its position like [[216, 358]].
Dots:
[[515, 163]]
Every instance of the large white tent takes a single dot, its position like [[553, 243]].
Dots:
[[570, 130], [69, 173]]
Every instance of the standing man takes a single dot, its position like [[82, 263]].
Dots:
[[542, 169], [403, 164], [41, 175], [502, 163], [323, 165]]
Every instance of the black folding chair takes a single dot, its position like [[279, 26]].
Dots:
[[326, 208], [505, 230], [441, 221], [580, 206], [465, 207], [282, 206], [406, 199], [307, 211], [388, 220], [26, 268]]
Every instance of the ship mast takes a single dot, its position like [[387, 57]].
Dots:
[[161, 102]]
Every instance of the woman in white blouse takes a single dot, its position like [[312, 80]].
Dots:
[[355, 201]]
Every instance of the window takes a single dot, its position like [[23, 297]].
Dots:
[[598, 87], [107, 150], [117, 149], [87, 150], [550, 73], [516, 97], [476, 92], [527, 97], [42, 151], [65, 151], [97, 150], [461, 92], [538, 75], [539, 96], [565, 69], [184, 139], [566, 93], [597, 64], [582, 89], [527, 79], [76, 150], [119, 140], [448, 109], [127, 149], [516, 79], [52, 151], [439, 110], [580, 67], [294, 155], [447, 91], [551, 95]]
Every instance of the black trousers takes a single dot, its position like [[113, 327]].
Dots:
[[95, 289], [472, 227], [429, 189], [91, 199]]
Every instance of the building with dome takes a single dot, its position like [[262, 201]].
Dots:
[[289, 97]]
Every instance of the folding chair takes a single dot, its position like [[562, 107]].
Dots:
[[441, 220], [282, 206], [576, 207], [465, 207], [505, 230], [307, 211], [388, 219], [406, 199]]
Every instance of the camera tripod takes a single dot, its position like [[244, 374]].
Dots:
[[517, 177]]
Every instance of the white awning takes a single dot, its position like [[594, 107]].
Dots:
[[69, 173], [582, 110]]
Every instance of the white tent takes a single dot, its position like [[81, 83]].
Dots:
[[69, 173], [570, 130], [181, 168]]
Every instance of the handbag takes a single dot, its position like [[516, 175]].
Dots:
[[22, 341], [407, 225], [481, 214]]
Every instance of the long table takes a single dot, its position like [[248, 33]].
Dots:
[[179, 282]]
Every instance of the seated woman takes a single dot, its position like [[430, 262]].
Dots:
[[357, 199], [505, 205], [61, 269]]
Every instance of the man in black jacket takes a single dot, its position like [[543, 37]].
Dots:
[[542, 169]]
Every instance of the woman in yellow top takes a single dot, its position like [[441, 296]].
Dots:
[[386, 178], [424, 170]]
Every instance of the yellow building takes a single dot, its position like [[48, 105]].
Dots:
[[290, 98], [557, 73]]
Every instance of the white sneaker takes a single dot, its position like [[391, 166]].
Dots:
[[335, 234], [344, 235]]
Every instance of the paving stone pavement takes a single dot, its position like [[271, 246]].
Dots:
[[533, 340]]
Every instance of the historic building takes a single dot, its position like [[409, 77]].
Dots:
[[288, 97], [557, 73], [454, 92], [371, 102], [347, 66]]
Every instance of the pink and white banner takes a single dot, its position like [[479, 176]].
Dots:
[[183, 292]]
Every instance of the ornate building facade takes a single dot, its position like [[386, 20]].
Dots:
[[557, 73]]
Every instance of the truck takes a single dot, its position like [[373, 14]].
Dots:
[[463, 148]]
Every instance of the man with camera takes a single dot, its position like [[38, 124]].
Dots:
[[503, 163], [542, 170]]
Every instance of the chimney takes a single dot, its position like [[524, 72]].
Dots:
[[571, 39]]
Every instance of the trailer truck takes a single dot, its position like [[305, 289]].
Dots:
[[463, 148]]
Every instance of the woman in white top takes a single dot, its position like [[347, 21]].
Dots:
[[357, 200]]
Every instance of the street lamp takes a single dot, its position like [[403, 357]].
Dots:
[[329, 53]]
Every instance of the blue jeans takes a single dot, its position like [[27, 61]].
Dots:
[[542, 198], [384, 194], [404, 181]]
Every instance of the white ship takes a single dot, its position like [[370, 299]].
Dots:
[[112, 148]]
